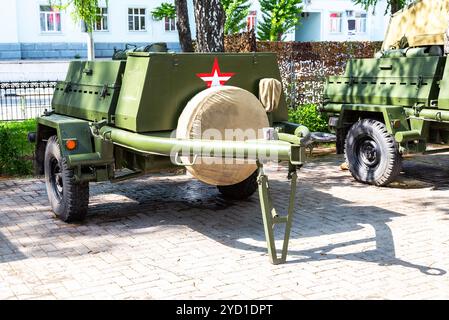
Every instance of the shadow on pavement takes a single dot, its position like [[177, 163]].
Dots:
[[149, 202], [8, 251], [318, 213]]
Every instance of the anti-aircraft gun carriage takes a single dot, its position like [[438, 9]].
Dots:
[[156, 110]]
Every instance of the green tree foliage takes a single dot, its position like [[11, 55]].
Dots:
[[179, 11], [236, 12], [165, 10], [393, 5], [278, 17], [83, 10], [86, 12]]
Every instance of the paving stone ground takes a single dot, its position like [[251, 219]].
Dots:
[[172, 237]]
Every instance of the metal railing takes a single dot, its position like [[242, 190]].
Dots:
[[25, 100]]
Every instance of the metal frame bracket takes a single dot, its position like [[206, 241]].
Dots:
[[270, 216], [177, 160]]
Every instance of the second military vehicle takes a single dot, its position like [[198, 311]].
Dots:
[[397, 102]]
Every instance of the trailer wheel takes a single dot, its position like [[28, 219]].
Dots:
[[68, 199], [372, 153], [241, 190]]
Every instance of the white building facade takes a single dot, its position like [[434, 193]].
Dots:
[[341, 20], [34, 30]]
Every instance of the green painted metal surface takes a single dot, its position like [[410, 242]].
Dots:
[[270, 215], [388, 112], [149, 91], [443, 98], [90, 90], [70, 128], [156, 86], [89, 151], [122, 113], [410, 94], [160, 145], [389, 81], [429, 114]]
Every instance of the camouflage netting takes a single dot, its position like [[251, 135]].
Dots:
[[305, 65], [241, 42]]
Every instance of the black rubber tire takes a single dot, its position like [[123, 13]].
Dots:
[[68, 199], [371, 153], [241, 190], [39, 158]]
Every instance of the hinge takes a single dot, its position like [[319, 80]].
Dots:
[[88, 71], [68, 86], [104, 91], [420, 82], [417, 107], [255, 59], [351, 80]]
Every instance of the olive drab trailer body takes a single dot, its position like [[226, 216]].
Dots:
[[112, 115], [397, 102]]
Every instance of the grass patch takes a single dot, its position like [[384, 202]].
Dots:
[[16, 153]]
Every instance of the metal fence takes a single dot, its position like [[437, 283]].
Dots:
[[25, 100]]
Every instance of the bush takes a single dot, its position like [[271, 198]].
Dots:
[[15, 150], [309, 116]]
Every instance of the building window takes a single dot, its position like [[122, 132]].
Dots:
[[101, 23], [170, 24], [360, 22], [50, 19], [335, 22], [136, 19], [251, 21], [356, 22]]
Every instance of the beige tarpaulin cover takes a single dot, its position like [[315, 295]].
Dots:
[[422, 23], [270, 91], [219, 108]]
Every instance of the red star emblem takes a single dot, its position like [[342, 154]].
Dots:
[[215, 77]]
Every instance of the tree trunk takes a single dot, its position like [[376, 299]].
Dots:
[[210, 19], [183, 26], [90, 46]]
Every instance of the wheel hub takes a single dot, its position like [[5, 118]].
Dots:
[[56, 178], [368, 152]]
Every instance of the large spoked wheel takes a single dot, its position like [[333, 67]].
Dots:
[[68, 199], [372, 153], [241, 190]]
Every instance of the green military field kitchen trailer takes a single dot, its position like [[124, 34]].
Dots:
[[397, 102], [150, 112]]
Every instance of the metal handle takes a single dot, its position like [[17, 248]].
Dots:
[[177, 160]]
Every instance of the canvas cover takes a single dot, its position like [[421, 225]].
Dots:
[[220, 108], [270, 91], [422, 23]]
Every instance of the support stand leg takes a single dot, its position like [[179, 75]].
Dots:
[[270, 216]]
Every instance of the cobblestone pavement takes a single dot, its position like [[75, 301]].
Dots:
[[171, 237]]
